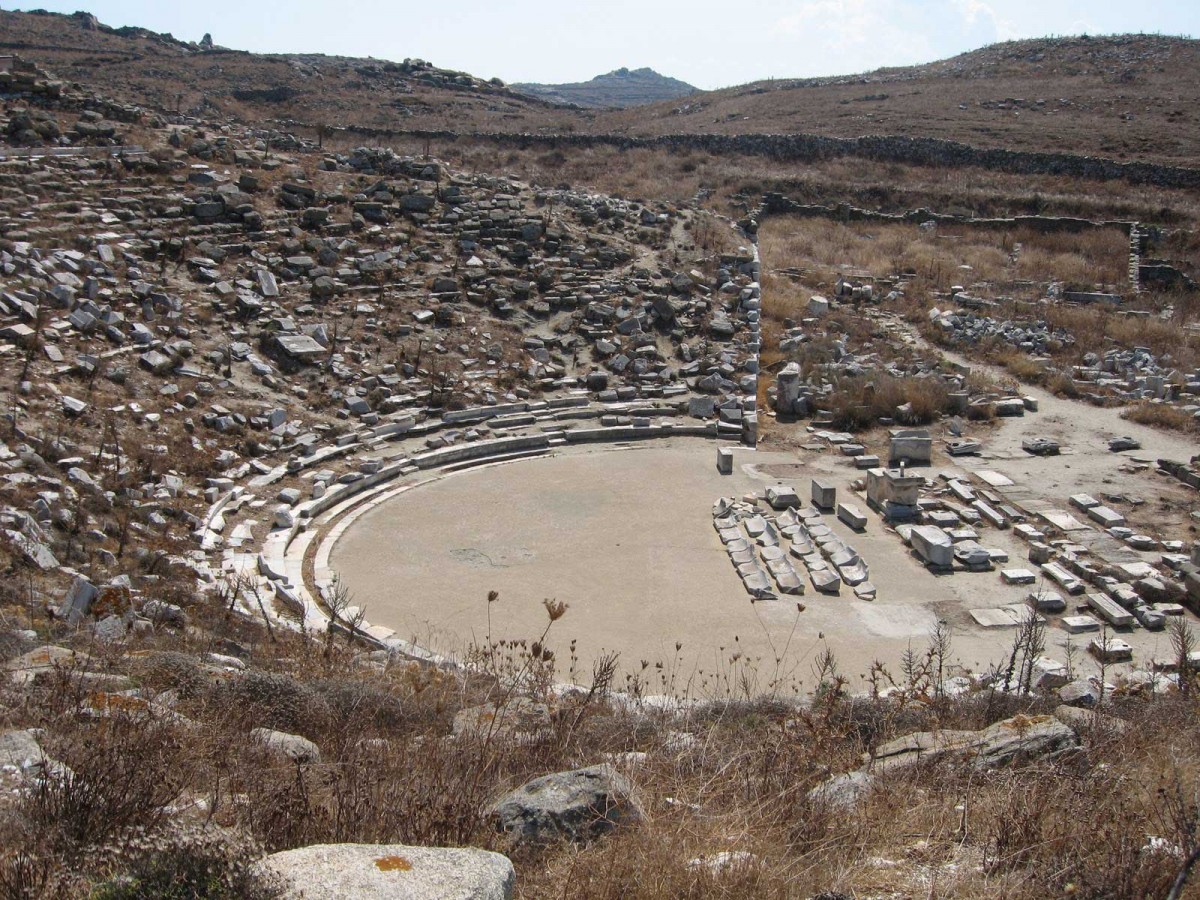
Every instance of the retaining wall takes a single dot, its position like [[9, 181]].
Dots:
[[812, 148]]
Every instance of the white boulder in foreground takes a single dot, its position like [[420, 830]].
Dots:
[[391, 872]]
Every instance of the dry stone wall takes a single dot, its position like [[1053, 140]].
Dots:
[[811, 148]]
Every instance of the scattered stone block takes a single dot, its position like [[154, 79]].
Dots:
[[1046, 601], [1017, 576], [1110, 611], [1110, 649], [1108, 518], [823, 494], [1048, 674], [782, 496], [1081, 624], [852, 516], [296, 748], [933, 546], [1063, 578], [1039, 553], [910, 446]]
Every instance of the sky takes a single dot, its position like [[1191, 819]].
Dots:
[[706, 43]]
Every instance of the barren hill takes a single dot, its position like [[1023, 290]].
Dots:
[[161, 72], [1127, 97], [620, 89]]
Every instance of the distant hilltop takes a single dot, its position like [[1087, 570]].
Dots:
[[619, 89]]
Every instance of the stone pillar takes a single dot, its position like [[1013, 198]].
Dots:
[[787, 389], [750, 429]]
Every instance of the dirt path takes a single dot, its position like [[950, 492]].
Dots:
[[1086, 465]]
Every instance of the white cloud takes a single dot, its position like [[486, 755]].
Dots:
[[844, 21], [979, 13]]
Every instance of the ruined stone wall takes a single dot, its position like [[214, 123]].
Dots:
[[812, 148], [775, 204]]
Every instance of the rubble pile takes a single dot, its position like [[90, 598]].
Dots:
[[970, 329], [1138, 374], [44, 105], [1115, 375], [806, 391]]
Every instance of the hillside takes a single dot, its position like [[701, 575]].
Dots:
[[1130, 96], [622, 88], [160, 72], [1126, 97]]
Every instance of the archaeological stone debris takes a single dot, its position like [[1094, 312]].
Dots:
[[227, 340]]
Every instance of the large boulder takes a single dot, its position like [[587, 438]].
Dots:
[[1081, 692], [390, 872], [576, 806], [921, 746], [1011, 742], [22, 754], [78, 602], [846, 790], [292, 746], [1019, 739]]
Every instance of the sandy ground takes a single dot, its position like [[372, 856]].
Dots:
[[625, 537], [1085, 464]]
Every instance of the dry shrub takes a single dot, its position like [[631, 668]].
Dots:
[[84, 821], [272, 700], [172, 671], [1062, 385], [981, 412], [1022, 366], [658, 864], [184, 864], [928, 398], [421, 791], [360, 702], [950, 254], [737, 182], [722, 777], [859, 403], [120, 773], [13, 644], [1099, 328], [1161, 415]]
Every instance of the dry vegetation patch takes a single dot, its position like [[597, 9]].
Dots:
[[946, 255]]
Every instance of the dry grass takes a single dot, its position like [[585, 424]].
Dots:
[[1162, 415], [858, 404], [987, 261], [729, 777], [961, 100]]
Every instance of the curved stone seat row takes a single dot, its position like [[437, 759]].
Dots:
[[279, 560], [538, 427]]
